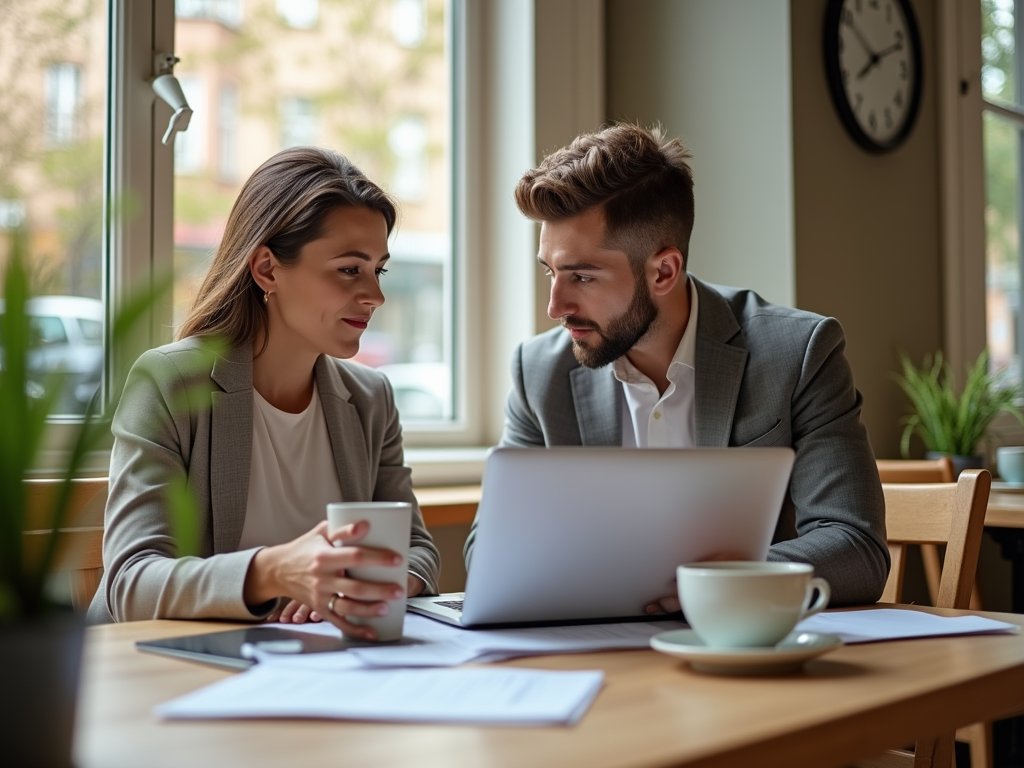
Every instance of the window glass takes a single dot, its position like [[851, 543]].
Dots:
[[369, 78], [998, 45], [92, 332], [47, 331], [53, 75]]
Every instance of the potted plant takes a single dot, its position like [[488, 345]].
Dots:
[[948, 423], [40, 642]]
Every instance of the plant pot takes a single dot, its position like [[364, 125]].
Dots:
[[40, 660], [960, 463]]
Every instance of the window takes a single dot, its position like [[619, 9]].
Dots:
[[52, 133], [63, 93], [373, 81], [409, 22], [1003, 137], [298, 122], [109, 210], [299, 14], [190, 146], [227, 150]]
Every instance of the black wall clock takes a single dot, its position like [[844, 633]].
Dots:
[[873, 63]]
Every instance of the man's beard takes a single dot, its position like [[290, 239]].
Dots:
[[621, 335]]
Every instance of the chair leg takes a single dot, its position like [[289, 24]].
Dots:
[[934, 753], [932, 569], [976, 602], [979, 737]]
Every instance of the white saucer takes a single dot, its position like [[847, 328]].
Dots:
[[1003, 485], [788, 656]]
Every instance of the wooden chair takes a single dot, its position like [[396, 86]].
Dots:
[[979, 735], [950, 514], [80, 551], [922, 471]]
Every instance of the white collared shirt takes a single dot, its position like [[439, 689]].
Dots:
[[650, 420]]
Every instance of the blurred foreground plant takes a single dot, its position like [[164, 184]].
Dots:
[[25, 405]]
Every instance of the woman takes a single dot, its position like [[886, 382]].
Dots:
[[266, 433]]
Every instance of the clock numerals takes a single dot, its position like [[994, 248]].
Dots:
[[874, 68]]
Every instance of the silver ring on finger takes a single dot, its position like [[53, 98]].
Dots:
[[330, 601]]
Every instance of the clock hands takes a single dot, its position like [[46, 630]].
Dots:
[[863, 40], [876, 58]]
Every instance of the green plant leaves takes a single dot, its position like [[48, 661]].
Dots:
[[24, 407], [947, 422]]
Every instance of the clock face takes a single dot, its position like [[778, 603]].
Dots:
[[873, 59]]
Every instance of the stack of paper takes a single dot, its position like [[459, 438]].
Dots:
[[429, 643], [480, 695], [898, 624]]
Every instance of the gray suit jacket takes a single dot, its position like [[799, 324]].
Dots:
[[178, 418], [765, 375]]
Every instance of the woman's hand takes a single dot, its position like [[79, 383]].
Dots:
[[310, 570], [294, 613]]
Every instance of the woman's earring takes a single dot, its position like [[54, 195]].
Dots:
[[266, 297]]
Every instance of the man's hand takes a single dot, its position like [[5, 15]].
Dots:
[[670, 603]]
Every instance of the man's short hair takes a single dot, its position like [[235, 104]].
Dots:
[[642, 182]]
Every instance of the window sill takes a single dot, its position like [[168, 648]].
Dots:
[[446, 466], [430, 466]]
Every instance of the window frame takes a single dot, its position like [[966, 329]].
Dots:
[[501, 113]]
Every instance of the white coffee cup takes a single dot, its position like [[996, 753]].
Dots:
[[748, 604], [390, 524]]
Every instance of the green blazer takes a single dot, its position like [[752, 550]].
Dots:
[[185, 415]]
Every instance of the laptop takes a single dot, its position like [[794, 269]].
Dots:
[[582, 535]]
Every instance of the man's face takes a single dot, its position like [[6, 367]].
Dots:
[[594, 292]]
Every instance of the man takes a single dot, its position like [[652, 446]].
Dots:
[[649, 356]]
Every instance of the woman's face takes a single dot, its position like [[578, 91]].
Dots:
[[325, 301]]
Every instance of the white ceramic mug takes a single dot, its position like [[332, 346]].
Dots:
[[748, 604], [1010, 463], [390, 524]]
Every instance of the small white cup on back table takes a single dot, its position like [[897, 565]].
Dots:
[[748, 604], [390, 524]]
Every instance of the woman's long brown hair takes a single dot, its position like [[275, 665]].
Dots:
[[283, 206]]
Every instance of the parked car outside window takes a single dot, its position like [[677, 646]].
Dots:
[[66, 349]]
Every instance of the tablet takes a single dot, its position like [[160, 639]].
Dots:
[[226, 648]]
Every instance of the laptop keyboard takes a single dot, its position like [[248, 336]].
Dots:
[[455, 605]]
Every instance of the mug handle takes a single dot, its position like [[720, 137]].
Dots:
[[824, 595]]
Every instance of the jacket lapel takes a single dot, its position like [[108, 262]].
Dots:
[[230, 446], [597, 395], [348, 441], [719, 368]]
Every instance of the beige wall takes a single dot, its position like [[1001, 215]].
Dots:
[[867, 226]]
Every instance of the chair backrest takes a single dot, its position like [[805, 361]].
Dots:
[[947, 513], [915, 470], [80, 551]]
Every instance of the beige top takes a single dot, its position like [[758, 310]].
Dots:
[[292, 477]]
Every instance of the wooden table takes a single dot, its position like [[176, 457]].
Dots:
[[653, 711]]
